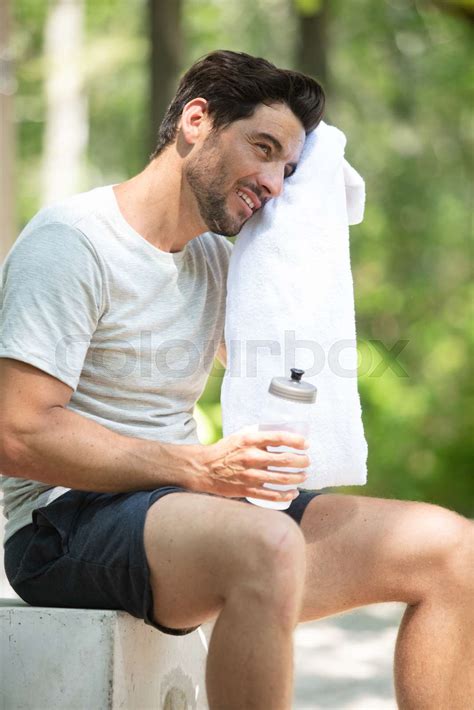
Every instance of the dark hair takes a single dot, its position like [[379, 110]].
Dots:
[[234, 83]]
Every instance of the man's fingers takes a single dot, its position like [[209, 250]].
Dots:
[[280, 479], [268, 494], [278, 438], [289, 459]]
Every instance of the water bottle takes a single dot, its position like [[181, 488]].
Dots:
[[287, 408]]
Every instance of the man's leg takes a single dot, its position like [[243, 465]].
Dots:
[[211, 556], [364, 550]]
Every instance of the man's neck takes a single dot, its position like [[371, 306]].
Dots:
[[159, 205]]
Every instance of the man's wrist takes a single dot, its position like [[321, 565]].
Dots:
[[179, 465]]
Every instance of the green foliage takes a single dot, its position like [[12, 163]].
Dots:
[[308, 7], [401, 93], [27, 45], [261, 27]]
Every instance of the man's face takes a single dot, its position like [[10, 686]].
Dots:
[[235, 172]]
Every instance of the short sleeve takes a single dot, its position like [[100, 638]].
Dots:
[[51, 300]]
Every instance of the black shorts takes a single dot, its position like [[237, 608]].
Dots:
[[86, 550]]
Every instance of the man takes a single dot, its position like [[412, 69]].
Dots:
[[99, 294]]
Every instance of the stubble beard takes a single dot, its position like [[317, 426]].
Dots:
[[206, 174]]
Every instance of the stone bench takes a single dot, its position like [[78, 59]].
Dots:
[[94, 659], [78, 659]]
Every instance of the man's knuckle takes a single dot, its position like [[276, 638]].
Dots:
[[247, 459], [247, 439]]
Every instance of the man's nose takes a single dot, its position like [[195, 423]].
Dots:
[[272, 181]]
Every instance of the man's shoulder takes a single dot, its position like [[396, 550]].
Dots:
[[59, 233], [70, 211]]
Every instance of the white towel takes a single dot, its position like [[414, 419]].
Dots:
[[290, 280]]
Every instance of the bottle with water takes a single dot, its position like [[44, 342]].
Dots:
[[288, 408]]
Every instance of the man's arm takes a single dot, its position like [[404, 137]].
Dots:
[[40, 439], [43, 440]]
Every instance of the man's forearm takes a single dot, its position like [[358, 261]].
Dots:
[[73, 451]]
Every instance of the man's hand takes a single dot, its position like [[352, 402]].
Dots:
[[236, 465]]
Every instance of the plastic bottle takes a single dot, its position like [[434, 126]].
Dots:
[[288, 407]]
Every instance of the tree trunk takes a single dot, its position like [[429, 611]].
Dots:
[[460, 8], [165, 58], [7, 135], [311, 54], [66, 131]]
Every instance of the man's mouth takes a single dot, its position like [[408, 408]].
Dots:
[[252, 204], [246, 199]]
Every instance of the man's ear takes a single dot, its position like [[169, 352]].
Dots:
[[194, 123]]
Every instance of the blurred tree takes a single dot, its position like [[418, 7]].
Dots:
[[66, 126], [403, 96], [461, 8], [7, 133], [266, 28], [312, 49], [166, 58], [117, 69]]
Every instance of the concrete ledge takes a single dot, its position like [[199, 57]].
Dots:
[[96, 659]]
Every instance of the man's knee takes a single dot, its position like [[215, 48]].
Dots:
[[274, 575], [449, 547], [267, 547], [283, 546], [458, 558]]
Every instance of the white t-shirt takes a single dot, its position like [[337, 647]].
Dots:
[[133, 330]]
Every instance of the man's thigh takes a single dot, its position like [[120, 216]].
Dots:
[[362, 550], [199, 547]]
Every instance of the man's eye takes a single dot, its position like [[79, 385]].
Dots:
[[265, 148]]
